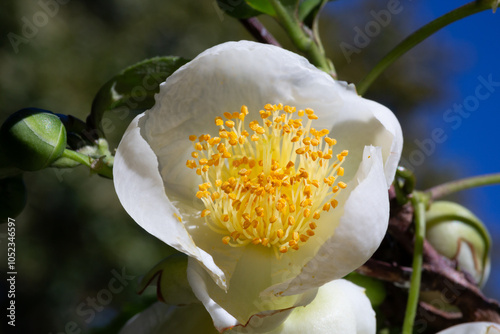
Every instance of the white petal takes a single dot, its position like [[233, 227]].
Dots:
[[360, 231], [339, 307], [241, 305], [473, 328], [139, 187], [161, 319]]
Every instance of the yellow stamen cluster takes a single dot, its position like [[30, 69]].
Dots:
[[267, 185]]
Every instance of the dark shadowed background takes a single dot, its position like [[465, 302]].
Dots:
[[74, 239]]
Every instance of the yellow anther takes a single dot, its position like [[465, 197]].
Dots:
[[226, 239], [203, 161], [230, 124], [342, 185], [198, 146], [303, 237], [269, 107], [315, 142], [330, 141], [205, 213], [309, 111], [228, 115], [334, 203], [291, 208], [280, 233], [312, 225], [244, 110], [326, 207], [307, 212], [265, 241], [335, 189], [300, 113], [344, 153], [200, 194], [301, 150], [291, 220], [259, 211], [283, 249], [312, 116], [310, 233], [256, 241], [192, 137], [254, 137], [295, 139], [340, 171], [273, 219], [307, 141], [225, 218], [194, 154], [235, 235], [316, 215], [292, 243]]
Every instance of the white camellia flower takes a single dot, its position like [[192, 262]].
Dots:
[[270, 175], [473, 328], [339, 307]]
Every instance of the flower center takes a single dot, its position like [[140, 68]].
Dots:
[[267, 186]]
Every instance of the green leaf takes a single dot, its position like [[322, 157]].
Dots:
[[237, 8], [263, 6], [266, 7], [307, 8], [133, 89]]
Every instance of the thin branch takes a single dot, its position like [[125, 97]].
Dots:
[[258, 31], [463, 184]]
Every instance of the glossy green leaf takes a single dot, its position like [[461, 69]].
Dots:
[[237, 8], [134, 88], [308, 8], [263, 6]]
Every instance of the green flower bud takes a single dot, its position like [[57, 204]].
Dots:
[[170, 278], [374, 288], [458, 234], [33, 138]]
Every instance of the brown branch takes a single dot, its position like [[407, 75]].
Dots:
[[258, 31]]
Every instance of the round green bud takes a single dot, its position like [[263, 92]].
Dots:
[[170, 278], [374, 289], [458, 234], [13, 194], [33, 138]]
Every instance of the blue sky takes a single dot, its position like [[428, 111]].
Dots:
[[473, 145]]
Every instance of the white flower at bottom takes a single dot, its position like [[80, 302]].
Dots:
[[340, 307], [473, 328], [270, 175]]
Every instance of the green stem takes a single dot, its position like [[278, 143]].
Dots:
[[419, 203], [311, 48], [463, 184], [95, 165], [420, 35]]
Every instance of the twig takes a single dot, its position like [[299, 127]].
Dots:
[[258, 31]]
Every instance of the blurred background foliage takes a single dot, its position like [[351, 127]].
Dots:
[[73, 233]]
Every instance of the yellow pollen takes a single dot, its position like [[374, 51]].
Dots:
[[265, 188]]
